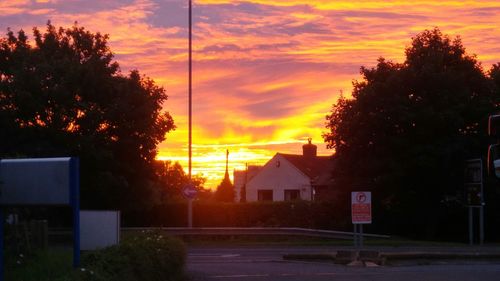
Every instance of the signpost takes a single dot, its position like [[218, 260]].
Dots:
[[361, 213], [189, 191], [474, 198], [41, 182]]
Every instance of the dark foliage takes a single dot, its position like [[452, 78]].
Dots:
[[172, 179], [144, 256], [62, 95], [225, 191], [215, 214], [407, 130], [334, 215]]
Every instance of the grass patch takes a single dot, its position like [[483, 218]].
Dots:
[[52, 265]]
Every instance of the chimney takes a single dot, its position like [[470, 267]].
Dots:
[[309, 150]]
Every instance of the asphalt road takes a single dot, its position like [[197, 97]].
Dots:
[[261, 263]]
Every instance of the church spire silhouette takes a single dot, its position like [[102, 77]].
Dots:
[[226, 176], [225, 191]]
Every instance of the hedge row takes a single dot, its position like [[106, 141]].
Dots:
[[145, 256], [449, 223], [322, 215]]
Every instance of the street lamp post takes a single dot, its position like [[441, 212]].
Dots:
[[190, 200]]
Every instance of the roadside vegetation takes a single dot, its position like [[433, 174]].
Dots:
[[148, 256], [406, 132]]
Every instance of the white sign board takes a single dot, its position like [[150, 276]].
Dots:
[[361, 207], [35, 181], [99, 229]]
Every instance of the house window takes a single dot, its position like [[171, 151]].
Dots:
[[292, 194], [265, 195]]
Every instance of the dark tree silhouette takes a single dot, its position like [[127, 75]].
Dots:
[[64, 95], [408, 128], [173, 179], [225, 191]]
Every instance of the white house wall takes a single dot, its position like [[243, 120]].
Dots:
[[239, 182], [286, 176]]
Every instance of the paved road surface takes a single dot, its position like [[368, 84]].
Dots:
[[249, 264]]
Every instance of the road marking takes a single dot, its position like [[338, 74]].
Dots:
[[213, 255], [268, 275], [230, 256], [240, 276], [287, 274]]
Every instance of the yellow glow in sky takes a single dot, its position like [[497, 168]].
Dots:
[[265, 72]]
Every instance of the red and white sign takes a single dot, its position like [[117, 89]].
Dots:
[[361, 207]]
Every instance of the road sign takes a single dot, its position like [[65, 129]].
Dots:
[[361, 207], [189, 191], [474, 182], [473, 194]]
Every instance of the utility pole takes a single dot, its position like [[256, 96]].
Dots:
[[190, 200], [190, 85]]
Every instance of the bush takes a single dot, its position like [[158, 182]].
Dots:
[[146, 256]]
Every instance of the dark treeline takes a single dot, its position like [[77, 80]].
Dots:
[[335, 215], [407, 131]]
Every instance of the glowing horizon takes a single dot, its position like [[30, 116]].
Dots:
[[265, 72]]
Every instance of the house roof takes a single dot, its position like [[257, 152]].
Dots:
[[317, 168]]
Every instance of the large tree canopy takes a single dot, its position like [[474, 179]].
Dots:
[[408, 128], [64, 95]]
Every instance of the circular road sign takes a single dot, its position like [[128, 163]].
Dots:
[[189, 191], [361, 197]]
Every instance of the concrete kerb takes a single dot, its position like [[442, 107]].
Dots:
[[346, 256], [371, 258], [357, 258]]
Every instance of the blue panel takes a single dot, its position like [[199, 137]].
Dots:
[[75, 204], [36, 181], [2, 221]]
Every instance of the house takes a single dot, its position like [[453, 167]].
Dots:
[[241, 177], [291, 177]]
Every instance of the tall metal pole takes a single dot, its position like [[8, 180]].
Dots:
[[190, 82], [190, 201]]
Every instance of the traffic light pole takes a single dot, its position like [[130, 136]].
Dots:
[[481, 225], [474, 196], [471, 225]]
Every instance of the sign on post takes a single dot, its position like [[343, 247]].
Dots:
[[361, 207], [41, 182], [474, 196], [474, 182], [189, 191], [361, 213]]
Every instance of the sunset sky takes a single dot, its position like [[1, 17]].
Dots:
[[265, 73]]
